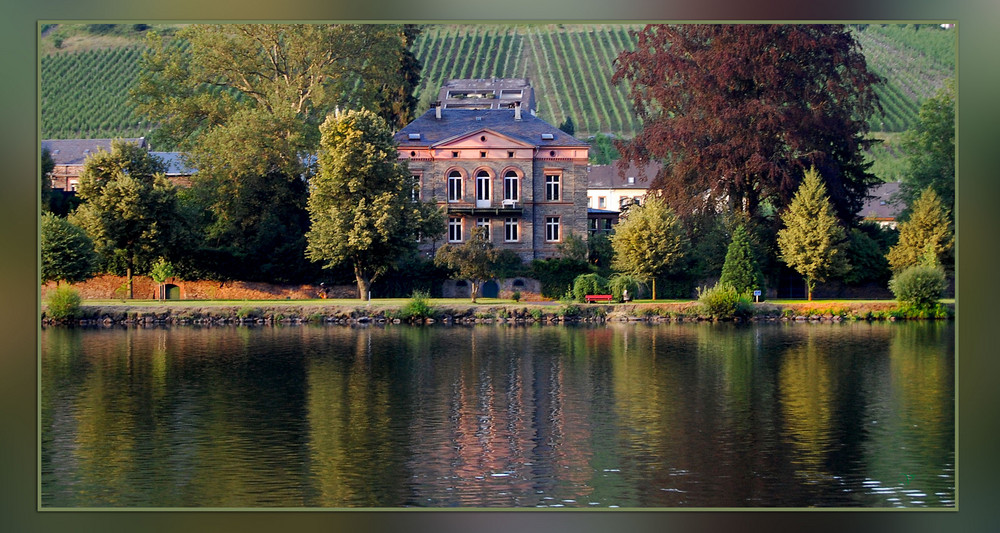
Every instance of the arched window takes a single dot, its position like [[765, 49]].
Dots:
[[482, 188], [510, 186], [454, 186]]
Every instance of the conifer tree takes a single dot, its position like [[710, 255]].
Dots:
[[67, 254], [811, 242], [926, 238], [740, 269]]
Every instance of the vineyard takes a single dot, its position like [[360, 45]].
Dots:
[[85, 94]]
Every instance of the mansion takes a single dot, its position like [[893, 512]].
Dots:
[[509, 172]]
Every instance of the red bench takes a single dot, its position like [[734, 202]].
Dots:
[[591, 298]]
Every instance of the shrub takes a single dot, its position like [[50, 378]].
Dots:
[[918, 286], [64, 303], [724, 302], [622, 282], [418, 307], [516, 296], [585, 284]]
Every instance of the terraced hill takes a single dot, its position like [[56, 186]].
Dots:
[[84, 91]]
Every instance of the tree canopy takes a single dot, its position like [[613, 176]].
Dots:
[[67, 254], [360, 206], [648, 240], [214, 70], [926, 237], [738, 112], [476, 260], [128, 206], [930, 149], [812, 240]]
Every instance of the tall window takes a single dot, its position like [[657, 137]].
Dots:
[[485, 224], [454, 229], [482, 186], [551, 229], [552, 187], [415, 188], [601, 202], [510, 229], [510, 185], [455, 186]]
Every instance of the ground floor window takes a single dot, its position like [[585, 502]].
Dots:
[[485, 224], [551, 229], [454, 229], [511, 227]]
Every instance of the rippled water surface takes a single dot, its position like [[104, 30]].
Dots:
[[623, 415]]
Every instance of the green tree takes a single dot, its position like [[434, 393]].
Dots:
[[129, 206], [208, 72], [567, 126], [360, 207], [573, 247], [67, 253], [740, 270], [475, 260], [160, 272], [648, 241], [930, 149], [812, 240], [48, 165], [926, 237]]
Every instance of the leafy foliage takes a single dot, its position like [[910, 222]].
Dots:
[[930, 147], [868, 244], [740, 110], [67, 254], [926, 238], [919, 285], [129, 207], [725, 302], [419, 307], [573, 247], [741, 271], [648, 240], [619, 283], [64, 303], [585, 284], [359, 204], [476, 260], [556, 275], [812, 241]]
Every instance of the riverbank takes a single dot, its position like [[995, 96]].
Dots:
[[151, 312]]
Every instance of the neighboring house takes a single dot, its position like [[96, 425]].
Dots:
[[601, 220], [882, 206], [494, 93], [69, 156], [512, 173], [610, 189]]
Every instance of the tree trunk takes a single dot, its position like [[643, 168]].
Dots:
[[654, 287], [475, 289], [128, 276], [364, 284], [809, 289]]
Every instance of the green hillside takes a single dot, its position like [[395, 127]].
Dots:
[[87, 70]]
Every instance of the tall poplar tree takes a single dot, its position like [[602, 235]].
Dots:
[[812, 241], [738, 112], [930, 149], [648, 240], [360, 206]]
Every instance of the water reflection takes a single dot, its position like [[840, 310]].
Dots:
[[630, 415]]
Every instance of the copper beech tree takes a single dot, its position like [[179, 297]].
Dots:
[[738, 112]]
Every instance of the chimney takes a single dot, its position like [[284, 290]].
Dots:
[[437, 109], [517, 110]]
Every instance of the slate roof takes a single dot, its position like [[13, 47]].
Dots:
[[501, 89], [608, 177], [176, 165], [455, 122], [881, 202], [75, 151]]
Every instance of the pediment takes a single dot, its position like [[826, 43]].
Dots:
[[482, 138]]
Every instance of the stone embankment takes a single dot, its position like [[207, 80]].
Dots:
[[249, 314]]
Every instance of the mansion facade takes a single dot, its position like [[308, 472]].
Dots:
[[520, 178]]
